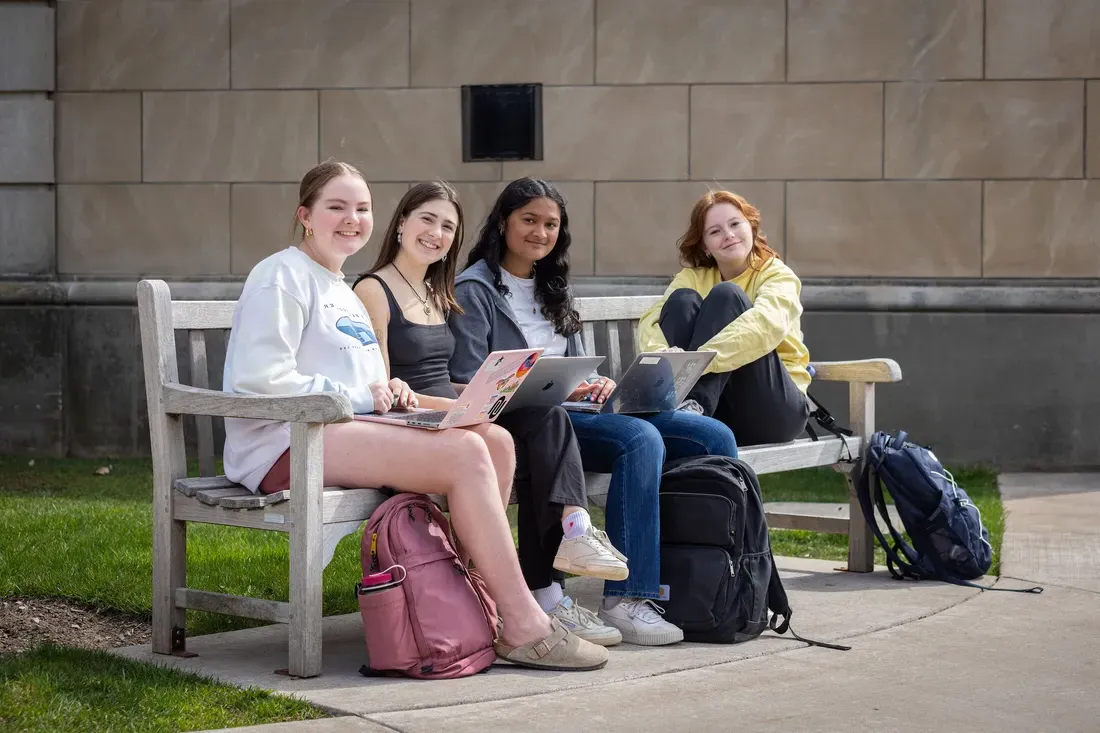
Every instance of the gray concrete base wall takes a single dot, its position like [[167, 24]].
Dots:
[[1009, 389]]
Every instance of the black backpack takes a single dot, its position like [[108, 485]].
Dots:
[[716, 557]]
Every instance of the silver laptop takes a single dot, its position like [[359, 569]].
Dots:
[[552, 380], [655, 382], [488, 393]]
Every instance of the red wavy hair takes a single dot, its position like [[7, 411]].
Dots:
[[693, 253]]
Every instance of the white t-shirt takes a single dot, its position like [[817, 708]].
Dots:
[[297, 328], [538, 331]]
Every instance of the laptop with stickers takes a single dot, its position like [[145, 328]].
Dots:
[[483, 399]]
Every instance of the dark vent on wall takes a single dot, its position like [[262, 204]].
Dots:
[[501, 122]]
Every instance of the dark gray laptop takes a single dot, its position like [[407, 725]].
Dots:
[[656, 381]]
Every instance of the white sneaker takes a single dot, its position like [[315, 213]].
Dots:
[[587, 555], [639, 620], [606, 542], [584, 623]]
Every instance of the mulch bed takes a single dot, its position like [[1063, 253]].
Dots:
[[28, 622]]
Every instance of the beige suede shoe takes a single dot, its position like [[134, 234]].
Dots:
[[561, 651]]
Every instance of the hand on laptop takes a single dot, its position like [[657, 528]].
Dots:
[[597, 391], [394, 395], [403, 396]]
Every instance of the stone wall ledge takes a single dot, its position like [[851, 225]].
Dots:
[[832, 294]]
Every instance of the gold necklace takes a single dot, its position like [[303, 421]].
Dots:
[[427, 290]]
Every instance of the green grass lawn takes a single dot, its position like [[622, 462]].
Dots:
[[72, 534], [56, 689]]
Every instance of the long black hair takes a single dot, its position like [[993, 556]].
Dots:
[[552, 272]]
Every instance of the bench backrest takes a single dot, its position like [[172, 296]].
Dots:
[[608, 328]]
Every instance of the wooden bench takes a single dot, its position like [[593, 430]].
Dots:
[[317, 517]]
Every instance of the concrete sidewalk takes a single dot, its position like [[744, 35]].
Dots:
[[925, 656]]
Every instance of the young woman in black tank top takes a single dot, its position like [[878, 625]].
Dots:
[[408, 294]]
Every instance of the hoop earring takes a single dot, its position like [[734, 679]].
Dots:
[[309, 232], [444, 258]]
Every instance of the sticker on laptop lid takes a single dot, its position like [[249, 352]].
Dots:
[[650, 360]]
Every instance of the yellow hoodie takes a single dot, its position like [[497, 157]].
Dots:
[[772, 324]]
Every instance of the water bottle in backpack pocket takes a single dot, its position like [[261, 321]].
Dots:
[[437, 620]]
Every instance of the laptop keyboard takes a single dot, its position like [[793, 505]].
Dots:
[[432, 417]]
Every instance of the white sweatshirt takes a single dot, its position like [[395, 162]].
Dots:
[[297, 328]]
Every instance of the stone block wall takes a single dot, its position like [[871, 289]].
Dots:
[[881, 138], [931, 168]]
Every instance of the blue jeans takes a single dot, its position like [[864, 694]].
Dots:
[[633, 449]]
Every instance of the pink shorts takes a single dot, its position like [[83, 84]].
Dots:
[[278, 476]]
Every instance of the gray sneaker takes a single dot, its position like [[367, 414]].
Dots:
[[691, 406], [639, 621], [584, 623]]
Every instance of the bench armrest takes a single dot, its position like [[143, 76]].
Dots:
[[862, 370], [319, 407]]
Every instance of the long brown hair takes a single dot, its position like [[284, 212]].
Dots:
[[693, 253], [440, 277], [315, 179]]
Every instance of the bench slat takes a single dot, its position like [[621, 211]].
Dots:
[[588, 338], [806, 522], [188, 315], [213, 497], [801, 453], [204, 425], [230, 605], [614, 361], [254, 501], [615, 308], [188, 486]]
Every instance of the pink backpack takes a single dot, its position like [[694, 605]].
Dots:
[[434, 618]]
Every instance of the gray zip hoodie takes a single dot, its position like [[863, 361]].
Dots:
[[487, 325]]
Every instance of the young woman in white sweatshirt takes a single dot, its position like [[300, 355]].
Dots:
[[299, 328]]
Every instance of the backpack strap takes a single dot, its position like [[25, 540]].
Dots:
[[899, 568], [1036, 589], [826, 420], [777, 603]]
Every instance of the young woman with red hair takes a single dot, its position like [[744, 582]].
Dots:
[[736, 297]]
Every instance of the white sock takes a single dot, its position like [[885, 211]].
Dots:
[[576, 524], [548, 597]]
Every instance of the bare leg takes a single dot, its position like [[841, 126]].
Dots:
[[452, 462], [502, 451], [569, 509]]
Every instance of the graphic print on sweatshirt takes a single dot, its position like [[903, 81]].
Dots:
[[357, 330]]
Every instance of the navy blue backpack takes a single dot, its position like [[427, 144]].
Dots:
[[949, 541]]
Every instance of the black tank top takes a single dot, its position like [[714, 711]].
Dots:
[[419, 354]]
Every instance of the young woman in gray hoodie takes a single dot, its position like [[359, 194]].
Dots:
[[515, 293]]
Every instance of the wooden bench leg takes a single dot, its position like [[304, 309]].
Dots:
[[306, 548], [169, 538], [861, 415]]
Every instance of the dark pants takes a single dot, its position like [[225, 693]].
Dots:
[[758, 401], [549, 476]]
